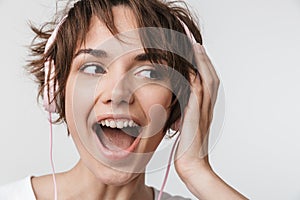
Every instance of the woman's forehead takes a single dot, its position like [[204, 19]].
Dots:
[[124, 21], [100, 39], [110, 49]]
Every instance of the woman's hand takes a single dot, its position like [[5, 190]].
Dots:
[[191, 158], [193, 146]]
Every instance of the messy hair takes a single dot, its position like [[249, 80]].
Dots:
[[73, 31]]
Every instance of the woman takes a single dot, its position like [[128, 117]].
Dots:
[[120, 74]]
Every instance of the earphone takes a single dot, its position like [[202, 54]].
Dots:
[[49, 103], [50, 106]]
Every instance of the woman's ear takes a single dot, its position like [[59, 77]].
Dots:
[[176, 125]]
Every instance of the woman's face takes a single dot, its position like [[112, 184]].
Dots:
[[117, 101]]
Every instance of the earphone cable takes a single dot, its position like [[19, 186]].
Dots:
[[51, 157], [168, 168]]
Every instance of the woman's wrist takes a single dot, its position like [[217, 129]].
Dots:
[[204, 183], [188, 168]]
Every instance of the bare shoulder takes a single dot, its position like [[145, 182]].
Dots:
[[43, 187]]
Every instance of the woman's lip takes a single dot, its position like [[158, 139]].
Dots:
[[116, 155]]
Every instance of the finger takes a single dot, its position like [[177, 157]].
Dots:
[[190, 136], [201, 115], [195, 101], [207, 71], [208, 62], [210, 83], [210, 80]]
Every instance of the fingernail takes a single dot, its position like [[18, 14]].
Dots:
[[199, 48], [202, 49], [198, 75]]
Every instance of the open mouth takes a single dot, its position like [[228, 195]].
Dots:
[[117, 135]]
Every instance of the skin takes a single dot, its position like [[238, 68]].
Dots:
[[93, 179], [198, 175]]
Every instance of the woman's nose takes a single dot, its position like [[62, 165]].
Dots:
[[115, 88]]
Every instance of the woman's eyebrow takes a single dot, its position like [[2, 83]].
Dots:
[[94, 52], [150, 56]]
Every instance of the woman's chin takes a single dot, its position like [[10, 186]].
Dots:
[[116, 178]]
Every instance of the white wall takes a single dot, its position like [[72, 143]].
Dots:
[[255, 47]]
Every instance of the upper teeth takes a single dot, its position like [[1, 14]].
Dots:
[[119, 123]]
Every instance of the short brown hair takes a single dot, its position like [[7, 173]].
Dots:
[[148, 13]]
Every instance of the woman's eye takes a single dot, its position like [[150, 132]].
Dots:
[[149, 73], [93, 69]]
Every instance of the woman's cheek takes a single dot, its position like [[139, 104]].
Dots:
[[156, 104]]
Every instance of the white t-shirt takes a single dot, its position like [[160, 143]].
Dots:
[[22, 190], [18, 190]]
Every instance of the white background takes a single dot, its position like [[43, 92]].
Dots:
[[255, 47]]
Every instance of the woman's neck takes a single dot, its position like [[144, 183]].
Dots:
[[80, 183]]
